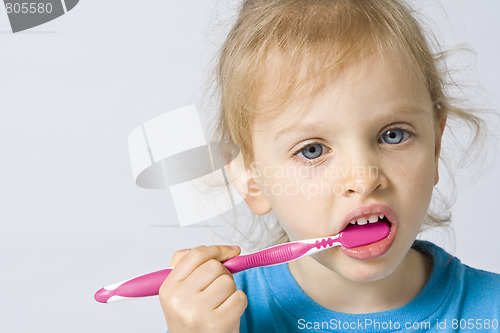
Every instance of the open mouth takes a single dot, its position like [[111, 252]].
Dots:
[[380, 219], [378, 248]]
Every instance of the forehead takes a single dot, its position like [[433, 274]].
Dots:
[[388, 76]]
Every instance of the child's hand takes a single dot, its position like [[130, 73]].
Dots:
[[200, 295]]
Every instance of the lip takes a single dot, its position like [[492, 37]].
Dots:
[[378, 248]]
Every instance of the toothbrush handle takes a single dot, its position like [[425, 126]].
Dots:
[[140, 286], [149, 284], [274, 255]]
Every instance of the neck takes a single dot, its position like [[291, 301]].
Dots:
[[340, 294]]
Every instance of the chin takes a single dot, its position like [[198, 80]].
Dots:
[[363, 271]]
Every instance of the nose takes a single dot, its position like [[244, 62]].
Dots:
[[363, 177]]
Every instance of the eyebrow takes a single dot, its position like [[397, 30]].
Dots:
[[407, 109], [295, 129]]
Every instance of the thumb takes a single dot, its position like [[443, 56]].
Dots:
[[178, 256], [227, 252]]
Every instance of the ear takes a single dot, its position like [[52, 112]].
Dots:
[[439, 129], [255, 198]]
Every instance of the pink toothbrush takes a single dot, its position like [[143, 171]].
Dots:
[[352, 236]]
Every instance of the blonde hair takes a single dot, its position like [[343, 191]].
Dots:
[[323, 36]]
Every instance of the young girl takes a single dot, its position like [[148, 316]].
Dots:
[[339, 107]]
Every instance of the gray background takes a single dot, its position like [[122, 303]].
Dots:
[[71, 91]]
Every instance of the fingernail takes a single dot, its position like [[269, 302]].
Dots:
[[235, 247]]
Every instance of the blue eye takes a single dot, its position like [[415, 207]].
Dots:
[[394, 136], [312, 151]]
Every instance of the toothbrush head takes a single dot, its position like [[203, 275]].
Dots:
[[358, 235]]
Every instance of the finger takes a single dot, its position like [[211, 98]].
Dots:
[[219, 291], [206, 274], [177, 257], [234, 306], [199, 255]]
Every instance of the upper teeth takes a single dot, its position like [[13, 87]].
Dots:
[[367, 219]]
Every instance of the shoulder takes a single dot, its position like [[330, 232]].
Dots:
[[484, 277], [456, 267], [480, 293], [482, 283], [471, 290]]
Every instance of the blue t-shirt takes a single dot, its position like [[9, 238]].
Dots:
[[457, 298]]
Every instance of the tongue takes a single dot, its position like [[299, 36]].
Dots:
[[355, 235]]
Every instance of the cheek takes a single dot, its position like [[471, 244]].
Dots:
[[299, 203], [414, 180]]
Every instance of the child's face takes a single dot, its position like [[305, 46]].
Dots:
[[369, 138]]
